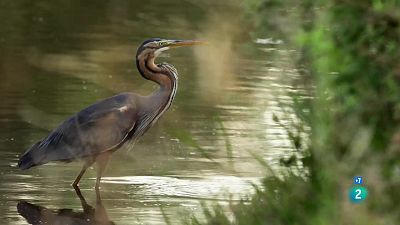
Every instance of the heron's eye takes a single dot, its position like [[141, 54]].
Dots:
[[162, 43]]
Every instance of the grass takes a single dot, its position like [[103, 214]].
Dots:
[[351, 52]]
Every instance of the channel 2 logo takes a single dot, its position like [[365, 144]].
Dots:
[[358, 193]]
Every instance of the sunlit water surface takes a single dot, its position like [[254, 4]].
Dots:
[[57, 57]]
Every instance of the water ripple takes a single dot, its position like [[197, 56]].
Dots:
[[209, 187]]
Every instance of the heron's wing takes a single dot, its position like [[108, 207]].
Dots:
[[98, 128]]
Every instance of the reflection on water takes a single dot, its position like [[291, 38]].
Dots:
[[57, 57], [39, 215], [206, 187]]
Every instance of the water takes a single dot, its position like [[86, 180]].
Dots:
[[56, 57]]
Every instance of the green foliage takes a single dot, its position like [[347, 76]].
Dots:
[[357, 100], [352, 50], [228, 145]]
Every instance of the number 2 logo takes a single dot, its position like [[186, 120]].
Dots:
[[358, 194]]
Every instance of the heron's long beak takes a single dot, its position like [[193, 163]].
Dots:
[[179, 43]]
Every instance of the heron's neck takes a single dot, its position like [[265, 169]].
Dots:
[[165, 75], [150, 71]]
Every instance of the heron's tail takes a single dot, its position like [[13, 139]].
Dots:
[[29, 158], [26, 161]]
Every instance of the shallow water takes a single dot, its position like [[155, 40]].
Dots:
[[57, 57]]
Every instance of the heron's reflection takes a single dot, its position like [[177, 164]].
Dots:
[[39, 215]]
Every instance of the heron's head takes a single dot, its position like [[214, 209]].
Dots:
[[155, 46]]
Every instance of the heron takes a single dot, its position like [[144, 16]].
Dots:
[[94, 133]]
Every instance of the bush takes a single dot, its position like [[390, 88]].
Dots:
[[352, 51]]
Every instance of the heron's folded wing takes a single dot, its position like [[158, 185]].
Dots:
[[96, 129]]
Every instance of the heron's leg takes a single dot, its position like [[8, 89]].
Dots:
[[101, 162], [101, 212], [85, 206], [87, 164], [98, 197]]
